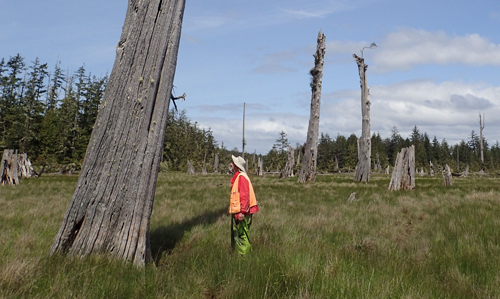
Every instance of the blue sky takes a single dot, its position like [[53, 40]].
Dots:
[[437, 64]]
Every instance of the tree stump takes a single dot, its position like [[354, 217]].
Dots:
[[260, 168], [290, 164], [9, 168], [352, 197], [447, 176], [190, 168], [466, 171], [403, 174], [25, 168]]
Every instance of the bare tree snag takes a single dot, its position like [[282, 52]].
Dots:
[[216, 163], [290, 164], [111, 208], [190, 168], [447, 176], [403, 174], [260, 168], [9, 168], [365, 145], [481, 127], [204, 168], [309, 160], [378, 167]]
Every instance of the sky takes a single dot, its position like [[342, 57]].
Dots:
[[436, 65]]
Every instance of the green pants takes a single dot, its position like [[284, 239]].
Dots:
[[240, 239]]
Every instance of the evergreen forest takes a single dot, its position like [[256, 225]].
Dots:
[[49, 114]]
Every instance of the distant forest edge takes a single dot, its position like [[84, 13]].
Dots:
[[49, 114]]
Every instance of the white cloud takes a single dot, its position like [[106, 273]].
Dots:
[[407, 48], [448, 110]]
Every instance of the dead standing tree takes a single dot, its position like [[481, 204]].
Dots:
[[364, 150], [481, 127], [403, 174], [111, 208], [308, 169], [9, 168], [290, 164]]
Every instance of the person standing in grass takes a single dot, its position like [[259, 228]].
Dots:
[[242, 205]]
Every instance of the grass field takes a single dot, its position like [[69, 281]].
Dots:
[[308, 241]]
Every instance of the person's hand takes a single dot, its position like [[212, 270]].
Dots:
[[241, 216]]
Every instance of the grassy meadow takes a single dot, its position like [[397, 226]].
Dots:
[[308, 241]]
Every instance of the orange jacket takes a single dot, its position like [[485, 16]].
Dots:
[[234, 201]]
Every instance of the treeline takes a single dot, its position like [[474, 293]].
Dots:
[[50, 114], [341, 153]]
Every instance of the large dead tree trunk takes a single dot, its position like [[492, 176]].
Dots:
[[365, 145], [309, 160], [111, 207], [9, 168], [403, 174]]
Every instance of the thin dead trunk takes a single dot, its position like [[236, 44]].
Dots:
[[309, 160], [216, 163], [365, 145], [112, 204], [481, 143]]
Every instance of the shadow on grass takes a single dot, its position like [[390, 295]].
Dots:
[[164, 238]]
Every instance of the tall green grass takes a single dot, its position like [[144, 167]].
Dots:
[[308, 241]]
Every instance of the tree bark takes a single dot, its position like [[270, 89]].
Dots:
[[309, 160], [112, 204], [403, 174], [365, 146]]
